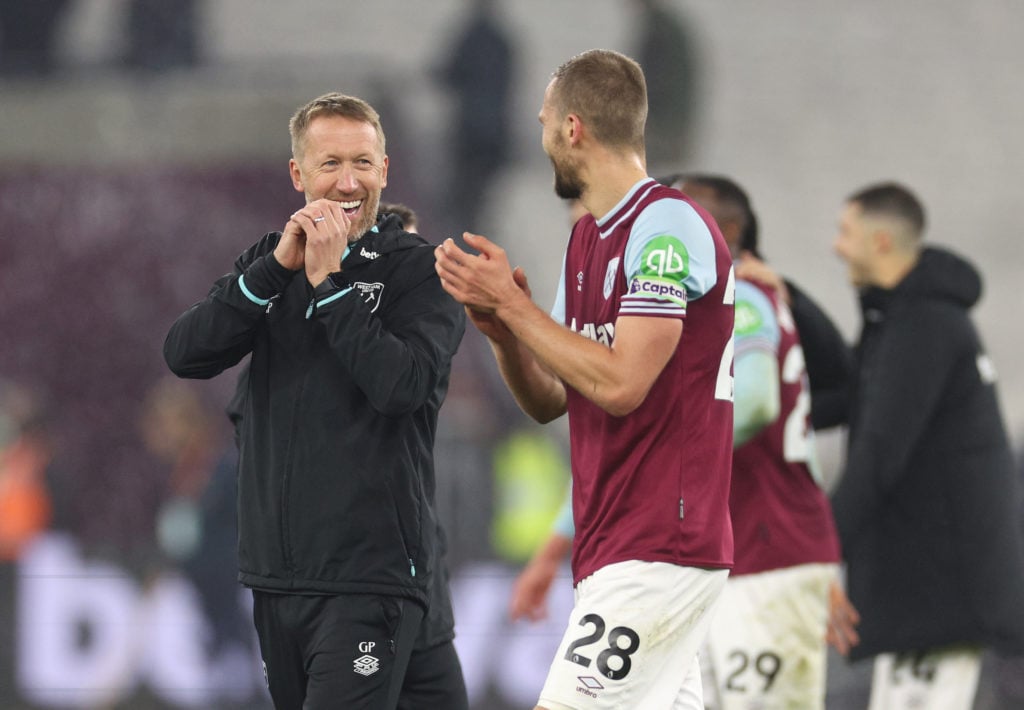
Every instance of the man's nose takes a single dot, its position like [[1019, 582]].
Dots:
[[347, 179]]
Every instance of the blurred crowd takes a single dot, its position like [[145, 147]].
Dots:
[[158, 36]]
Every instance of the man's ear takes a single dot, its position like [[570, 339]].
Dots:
[[575, 129], [296, 175], [883, 241]]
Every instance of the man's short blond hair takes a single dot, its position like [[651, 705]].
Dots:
[[332, 104], [608, 91]]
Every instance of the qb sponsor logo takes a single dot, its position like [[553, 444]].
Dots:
[[666, 257], [748, 319]]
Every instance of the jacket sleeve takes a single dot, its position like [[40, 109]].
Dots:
[[901, 385], [829, 360], [399, 358], [218, 332]]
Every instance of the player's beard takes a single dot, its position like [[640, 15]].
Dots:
[[568, 184]]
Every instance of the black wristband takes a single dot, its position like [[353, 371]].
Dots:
[[325, 287]]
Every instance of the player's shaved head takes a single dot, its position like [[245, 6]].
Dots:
[[893, 203]]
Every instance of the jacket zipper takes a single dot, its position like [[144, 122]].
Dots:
[[285, 530]]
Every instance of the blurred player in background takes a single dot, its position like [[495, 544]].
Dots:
[[829, 359], [926, 506], [410, 222], [197, 524], [767, 640], [649, 400]]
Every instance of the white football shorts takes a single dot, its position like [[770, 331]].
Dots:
[[766, 646], [944, 679], [633, 638]]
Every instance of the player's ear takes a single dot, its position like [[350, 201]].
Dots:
[[575, 128]]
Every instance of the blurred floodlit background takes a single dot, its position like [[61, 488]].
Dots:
[[143, 145]]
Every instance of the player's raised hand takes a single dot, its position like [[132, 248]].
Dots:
[[751, 268], [484, 281], [489, 323]]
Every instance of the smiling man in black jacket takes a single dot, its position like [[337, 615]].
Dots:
[[352, 339], [926, 507]]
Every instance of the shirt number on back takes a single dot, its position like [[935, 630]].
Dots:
[[724, 383], [798, 437]]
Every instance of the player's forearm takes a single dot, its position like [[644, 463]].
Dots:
[[582, 364], [600, 373], [537, 391], [554, 551]]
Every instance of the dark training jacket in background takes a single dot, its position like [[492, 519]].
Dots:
[[926, 507]]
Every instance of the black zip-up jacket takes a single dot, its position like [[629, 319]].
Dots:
[[829, 360], [336, 477], [926, 507]]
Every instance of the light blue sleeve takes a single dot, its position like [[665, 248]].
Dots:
[[670, 246], [757, 400], [558, 310], [756, 324]]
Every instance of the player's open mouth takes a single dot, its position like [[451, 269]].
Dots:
[[351, 207]]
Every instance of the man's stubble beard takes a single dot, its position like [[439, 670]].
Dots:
[[568, 184], [367, 220]]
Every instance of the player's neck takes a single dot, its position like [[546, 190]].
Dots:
[[610, 178], [890, 272]]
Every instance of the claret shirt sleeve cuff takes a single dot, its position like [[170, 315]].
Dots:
[[264, 279]]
